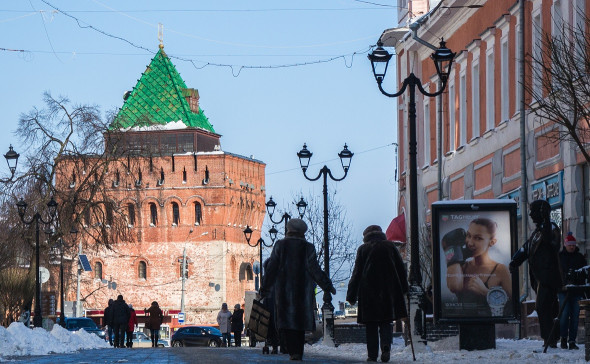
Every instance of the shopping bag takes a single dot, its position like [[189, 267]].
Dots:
[[259, 320]]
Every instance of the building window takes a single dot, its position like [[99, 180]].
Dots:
[[426, 133], [175, 214], [246, 273], [517, 84], [153, 214], [463, 110], [98, 270], [536, 43], [475, 99], [505, 81], [452, 120], [130, 214], [490, 105], [109, 212], [184, 175], [142, 270], [198, 214]]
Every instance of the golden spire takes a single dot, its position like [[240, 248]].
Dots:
[[161, 35]]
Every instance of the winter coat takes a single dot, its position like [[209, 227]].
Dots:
[[237, 321], [121, 312], [155, 318], [224, 321], [542, 251], [569, 261], [378, 281], [292, 270], [108, 315], [132, 321]]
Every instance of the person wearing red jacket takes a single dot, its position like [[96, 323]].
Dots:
[[131, 326]]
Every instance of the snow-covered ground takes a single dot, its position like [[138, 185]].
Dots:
[[17, 340]]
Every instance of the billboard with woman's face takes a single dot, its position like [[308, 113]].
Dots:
[[473, 242]]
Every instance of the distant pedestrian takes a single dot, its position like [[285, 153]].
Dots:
[[379, 282], [224, 322], [121, 315], [131, 326], [108, 320], [293, 270], [156, 317], [570, 260], [237, 324]]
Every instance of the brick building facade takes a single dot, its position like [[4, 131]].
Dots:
[[179, 192]]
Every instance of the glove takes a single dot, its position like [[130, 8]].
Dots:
[[513, 268], [453, 244], [333, 290]]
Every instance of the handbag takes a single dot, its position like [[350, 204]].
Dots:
[[259, 320]]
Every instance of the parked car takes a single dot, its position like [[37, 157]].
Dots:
[[141, 340], [196, 336], [339, 315], [77, 323]]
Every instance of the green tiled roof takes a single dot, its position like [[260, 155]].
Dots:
[[159, 98]]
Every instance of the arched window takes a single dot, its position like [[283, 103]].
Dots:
[[109, 211], [98, 270], [141, 270], [153, 214], [246, 272], [130, 214], [198, 214], [175, 214]]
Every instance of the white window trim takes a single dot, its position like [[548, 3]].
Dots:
[[474, 49], [452, 116], [463, 108], [427, 131], [489, 37]]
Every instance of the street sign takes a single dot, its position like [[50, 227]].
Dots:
[[84, 262], [181, 318], [48, 303], [43, 274]]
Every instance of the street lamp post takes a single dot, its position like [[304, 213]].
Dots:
[[62, 317], [345, 159], [260, 242], [12, 159], [52, 209], [270, 209], [443, 60]]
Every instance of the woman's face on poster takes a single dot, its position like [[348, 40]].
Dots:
[[478, 239]]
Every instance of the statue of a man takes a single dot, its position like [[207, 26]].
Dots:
[[542, 251]]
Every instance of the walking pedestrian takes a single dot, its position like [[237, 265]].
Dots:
[[154, 322], [570, 259], [224, 322], [121, 315], [542, 252], [131, 326], [108, 320], [292, 270], [379, 283], [237, 324]]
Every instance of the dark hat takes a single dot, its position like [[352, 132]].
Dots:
[[372, 229], [224, 305], [237, 306], [120, 297], [296, 226], [373, 233]]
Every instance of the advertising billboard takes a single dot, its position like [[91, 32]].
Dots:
[[473, 242]]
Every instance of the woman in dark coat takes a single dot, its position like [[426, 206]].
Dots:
[[237, 324], [292, 270], [379, 283], [154, 322]]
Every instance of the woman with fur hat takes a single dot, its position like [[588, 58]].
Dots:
[[293, 270], [379, 282]]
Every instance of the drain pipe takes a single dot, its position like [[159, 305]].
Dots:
[[523, 169], [414, 28]]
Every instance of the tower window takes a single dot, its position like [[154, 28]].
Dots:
[[153, 214], [98, 270], [175, 214], [141, 270], [198, 214]]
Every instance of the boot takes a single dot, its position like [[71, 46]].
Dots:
[[564, 342], [385, 354], [573, 345]]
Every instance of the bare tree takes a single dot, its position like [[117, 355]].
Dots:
[[559, 83], [16, 291]]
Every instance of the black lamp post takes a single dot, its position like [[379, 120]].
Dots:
[[270, 209], [345, 158], [12, 160], [443, 60], [52, 209], [260, 242], [62, 317]]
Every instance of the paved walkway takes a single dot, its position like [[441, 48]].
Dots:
[[171, 355]]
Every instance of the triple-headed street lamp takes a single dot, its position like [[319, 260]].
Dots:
[[345, 159], [260, 242], [12, 159], [270, 209], [52, 211], [443, 60]]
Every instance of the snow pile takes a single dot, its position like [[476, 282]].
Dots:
[[18, 340]]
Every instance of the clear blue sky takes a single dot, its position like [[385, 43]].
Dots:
[[98, 49]]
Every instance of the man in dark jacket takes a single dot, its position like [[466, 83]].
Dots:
[[121, 314], [379, 282], [542, 250], [108, 320], [292, 270], [237, 324], [570, 259]]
